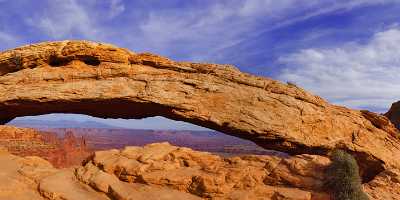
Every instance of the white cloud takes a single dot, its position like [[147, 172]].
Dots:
[[354, 74], [64, 18], [224, 24], [116, 8], [200, 32], [207, 30], [7, 40]]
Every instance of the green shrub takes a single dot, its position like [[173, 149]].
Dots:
[[291, 83], [344, 180]]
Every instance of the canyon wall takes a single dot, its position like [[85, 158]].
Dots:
[[66, 152], [394, 114]]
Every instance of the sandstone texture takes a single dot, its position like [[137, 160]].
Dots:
[[65, 152], [106, 81], [394, 114], [385, 186], [162, 171], [33, 178], [209, 176]]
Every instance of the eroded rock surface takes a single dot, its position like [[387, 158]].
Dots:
[[164, 172], [105, 81], [385, 186], [33, 178], [209, 176], [65, 152], [394, 114], [161, 171]]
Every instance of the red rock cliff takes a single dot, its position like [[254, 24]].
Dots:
[[29, 142]]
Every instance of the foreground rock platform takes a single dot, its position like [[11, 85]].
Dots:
[[33, 178], [105, 81], [161, 171]]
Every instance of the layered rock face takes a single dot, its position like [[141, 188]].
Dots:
[[394, 114], [32, 178], [165, 172], [209, 176], [105, 81], [65, 152]]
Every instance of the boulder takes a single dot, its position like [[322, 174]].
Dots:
[[33, 178], [385, 185], [165, 172], [207, 175]]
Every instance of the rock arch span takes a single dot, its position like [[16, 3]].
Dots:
[[105, 81]]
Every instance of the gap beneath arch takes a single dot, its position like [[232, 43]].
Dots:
[[82, 134]]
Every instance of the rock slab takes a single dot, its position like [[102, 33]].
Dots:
[[162, 171]]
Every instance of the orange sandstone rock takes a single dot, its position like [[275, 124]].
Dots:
[[106, 81], [30, 142], [394, 114]]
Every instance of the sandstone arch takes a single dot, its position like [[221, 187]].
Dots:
[[105, 81]]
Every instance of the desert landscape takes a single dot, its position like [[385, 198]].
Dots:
[[66, 147], [275, 140], [100, 136]]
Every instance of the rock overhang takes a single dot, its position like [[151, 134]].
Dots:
[[106, 81]]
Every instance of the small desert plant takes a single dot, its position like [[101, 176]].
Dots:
[[344, 180], [17, 59], [291, 83]]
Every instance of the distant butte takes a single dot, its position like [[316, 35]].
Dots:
[[66, 152], [106, 81], [394, 114]]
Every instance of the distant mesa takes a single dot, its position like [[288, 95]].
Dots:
[[65, 152]]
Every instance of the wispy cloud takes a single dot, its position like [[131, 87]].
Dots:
[[116, 8], [223, 25], [355, 75], [195, 32], [7, 40], [218, 25], [64, 18]]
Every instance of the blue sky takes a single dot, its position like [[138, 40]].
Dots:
[[346, 51]]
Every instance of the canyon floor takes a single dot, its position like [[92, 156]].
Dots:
[[65, 147]]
